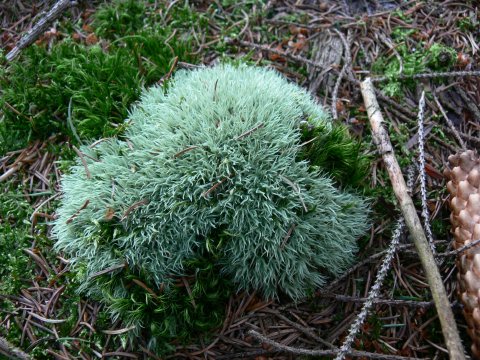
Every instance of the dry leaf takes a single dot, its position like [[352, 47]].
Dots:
[[91, 39]]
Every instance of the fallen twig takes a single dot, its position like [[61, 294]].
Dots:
[[332, 352], [390, 302], [429, 75], [460, 250], [40, 27], [382, 140], [345, 69], [449, 122], [12, 352]]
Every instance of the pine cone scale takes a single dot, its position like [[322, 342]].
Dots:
[[464, 189]]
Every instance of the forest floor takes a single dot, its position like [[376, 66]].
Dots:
[[58, 92]]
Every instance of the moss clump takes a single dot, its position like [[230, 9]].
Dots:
[[120, 18], [434, 58], [333, 151], [210, 171]]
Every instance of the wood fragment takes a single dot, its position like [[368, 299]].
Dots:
[[12, 352], [382, 140], [71, 218], [41, 26], [299, 351]]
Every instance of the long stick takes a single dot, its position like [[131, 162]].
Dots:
[[382, 140]]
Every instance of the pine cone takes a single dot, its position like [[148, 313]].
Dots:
[[464, 188]]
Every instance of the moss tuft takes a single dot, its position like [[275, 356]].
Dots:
[[211, 172]]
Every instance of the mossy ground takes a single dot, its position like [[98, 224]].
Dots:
[[79, 86], [79, 83]]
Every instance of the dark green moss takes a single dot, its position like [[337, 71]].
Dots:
[[335, 152], [79, 91]]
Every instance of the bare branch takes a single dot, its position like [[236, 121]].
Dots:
[[40, 27]]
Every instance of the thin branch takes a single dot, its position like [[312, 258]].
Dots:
[[382, 140], [429, 75], [460, 250], [346, 68], [332, 352], [11, 351], [449, 122], [391, 302], [40, 27]]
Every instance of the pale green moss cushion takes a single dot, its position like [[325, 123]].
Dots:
[[216, 158]]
